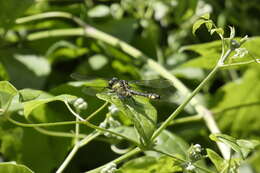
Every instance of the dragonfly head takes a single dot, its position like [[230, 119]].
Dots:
[[112, 81]]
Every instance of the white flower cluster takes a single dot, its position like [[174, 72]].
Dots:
[[80, 104], [110, 168]]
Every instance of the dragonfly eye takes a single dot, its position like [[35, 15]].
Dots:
[[112, 81]]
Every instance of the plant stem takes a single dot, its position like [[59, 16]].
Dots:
[[185, 102], [44, 124], [73, 151], [186, 119], [57, 134], [68, 158], [118, 160], [97, 111], [97, 127], [183, 161]]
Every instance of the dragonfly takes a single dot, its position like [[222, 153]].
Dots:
[[125, 88]]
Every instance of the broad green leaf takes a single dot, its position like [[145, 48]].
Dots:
[[7, 92], [139, 110], [243, 147], [10, 167], [99, 11], [25, 71], [29, 106], [197, 24], [209, 53], [9, 11], [97, 61], [170, 143], [39, 65], [148, 164], [236, 105], [218, 161], [128, 132], [29, 94], [247, 146]]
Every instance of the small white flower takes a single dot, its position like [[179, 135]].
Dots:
[[190, 167], [240, 52], [113, 109], [80, 104], [110, 168], [197, 148]]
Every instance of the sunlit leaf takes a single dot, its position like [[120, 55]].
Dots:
[[243, 147], [209, 53], [29, 94], [99, 11], [170, 143], [236, 105], [126, 131], [139, 110], [7, 92], [148, 164], [29, 106], [97, 61], [218, 161], [11, 167], [197, 24]]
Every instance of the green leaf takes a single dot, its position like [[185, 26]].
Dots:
[[243, 147], [209, 53], [10, 167], [9, 11], [170, 143], [97, 61], [220, 31], [29, 94], [25, 70], [99, 11], [7, 92], [128, 132], [29, 106], [39, 65], [218, 161], [139, 110], [148, 164], [247, 146], [236, 105], [197, 24]]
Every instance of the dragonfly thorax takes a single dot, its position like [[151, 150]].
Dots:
[[121, 87]]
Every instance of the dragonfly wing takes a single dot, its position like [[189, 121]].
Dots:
[[90, 81], [92, 91], [155, 83]]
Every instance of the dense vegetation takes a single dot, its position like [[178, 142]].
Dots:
[[206, 121]]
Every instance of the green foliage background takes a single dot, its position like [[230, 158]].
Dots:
[[162, 29]]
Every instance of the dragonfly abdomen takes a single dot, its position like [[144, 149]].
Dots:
[[148, 95]]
